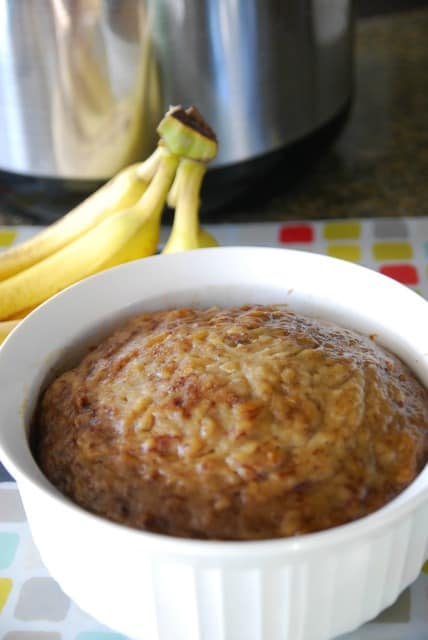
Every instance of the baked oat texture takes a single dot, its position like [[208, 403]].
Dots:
[[238, 424]]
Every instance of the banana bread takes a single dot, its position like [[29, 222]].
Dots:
[[233, 424]]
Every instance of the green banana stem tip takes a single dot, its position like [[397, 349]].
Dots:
[[185, 133]]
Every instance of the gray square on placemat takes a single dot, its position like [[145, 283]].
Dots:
[[32, 635], [11, 509], [41, 599], [390, 228]]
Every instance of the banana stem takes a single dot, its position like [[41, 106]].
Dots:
[[185, 133], [185, 228], [152, 201], [147, 169], [173, 194]]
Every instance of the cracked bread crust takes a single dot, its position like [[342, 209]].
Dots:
[[233, 424]]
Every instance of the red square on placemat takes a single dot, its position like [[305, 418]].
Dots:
[[296, 233], [404, 273]]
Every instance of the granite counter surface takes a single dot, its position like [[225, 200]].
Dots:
[[379, 164]]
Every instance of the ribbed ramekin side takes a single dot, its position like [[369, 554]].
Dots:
[[366, 576], [417, 549], [277, 592], [313, 596]]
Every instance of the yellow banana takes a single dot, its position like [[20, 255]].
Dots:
[[124, 236], [22, 314], [119, 193], [6, 328], [205, 239], [118, 223], [186, 233]]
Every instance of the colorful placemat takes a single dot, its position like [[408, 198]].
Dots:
[[32, 605]]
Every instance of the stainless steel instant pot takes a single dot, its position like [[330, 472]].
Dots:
[[84, 82]]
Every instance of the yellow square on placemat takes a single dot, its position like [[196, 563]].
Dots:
[[342, 230], [392, 251], [7, 237], [345, 251]]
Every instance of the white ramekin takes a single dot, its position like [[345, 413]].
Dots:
[[154, 587]]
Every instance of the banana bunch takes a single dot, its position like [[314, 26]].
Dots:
[[117, 223]]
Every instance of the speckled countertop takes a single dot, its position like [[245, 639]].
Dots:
[[379, 164]]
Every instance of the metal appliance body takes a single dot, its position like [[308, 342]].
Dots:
[[84, 82]]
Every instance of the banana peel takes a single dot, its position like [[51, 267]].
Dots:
[[119, 193], [119, 222], [206, 239], [124, 236], [6, 328]]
